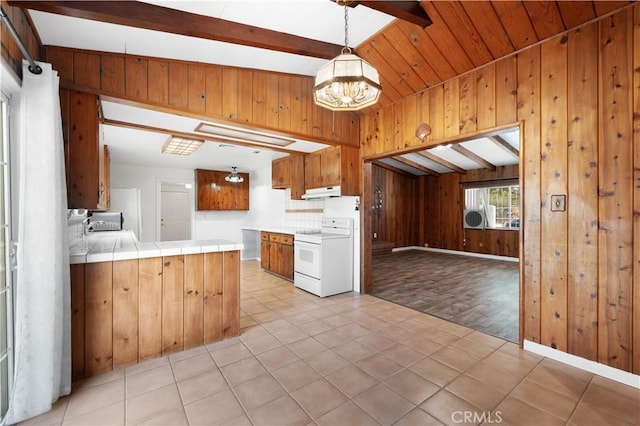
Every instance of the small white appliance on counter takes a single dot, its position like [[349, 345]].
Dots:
[[323, 261], [105, 221]]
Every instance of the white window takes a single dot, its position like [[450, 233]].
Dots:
[[500, 204]]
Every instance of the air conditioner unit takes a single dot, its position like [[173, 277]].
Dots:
[[474, 219]]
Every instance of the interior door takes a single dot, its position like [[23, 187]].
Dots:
[[175, 216]]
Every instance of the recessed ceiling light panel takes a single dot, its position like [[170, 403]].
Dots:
[[181, 146]]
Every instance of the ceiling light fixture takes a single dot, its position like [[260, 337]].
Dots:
[[180, 146], [347, 82], [234, 176]]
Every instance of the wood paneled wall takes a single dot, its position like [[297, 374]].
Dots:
[[260, 99], [398, 219], [578, 97], [442, 207], [10, 51]]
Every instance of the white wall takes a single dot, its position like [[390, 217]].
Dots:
[[265, 204]]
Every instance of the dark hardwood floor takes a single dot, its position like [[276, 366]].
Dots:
[[478, 293]]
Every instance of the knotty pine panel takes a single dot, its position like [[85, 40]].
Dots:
[[150, 312], [582, 152], [250, 97], [172, 304], [136, 74], [212, 297], [529, 75], [468, 103], [452, 108], [231, 294], [486, 95], [553, 250], [636, 192], [77, 321], [112, 78], [98, 308], [615, 180], [538, 101], [193, 300], [10, 50], [125, 312]]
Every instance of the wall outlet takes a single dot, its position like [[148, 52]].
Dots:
[[375, 235]]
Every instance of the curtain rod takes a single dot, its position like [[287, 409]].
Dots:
[[33, 67]]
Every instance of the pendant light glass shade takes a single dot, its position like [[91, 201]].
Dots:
[[347, 82], [234, 176]]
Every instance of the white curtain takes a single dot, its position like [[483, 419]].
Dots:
[[42, 309]]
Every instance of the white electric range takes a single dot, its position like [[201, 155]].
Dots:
[[323, 261]]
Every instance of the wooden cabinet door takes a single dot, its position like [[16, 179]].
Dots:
[[280, 173], [83, 157], [312, 171], [215, 193], [286, 257], [274, 257], [330, 163], [264, 251], [296, 174]]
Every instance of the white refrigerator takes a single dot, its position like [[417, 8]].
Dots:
[[127, 201]]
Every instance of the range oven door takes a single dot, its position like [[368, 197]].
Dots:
[[307, 259]]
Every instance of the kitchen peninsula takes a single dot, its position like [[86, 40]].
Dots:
[[131, 301]]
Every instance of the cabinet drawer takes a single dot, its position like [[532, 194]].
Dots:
[[264, 236], [286, 239], [275, 238]]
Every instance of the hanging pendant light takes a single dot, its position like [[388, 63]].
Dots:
[[234, 176], [347, 82]]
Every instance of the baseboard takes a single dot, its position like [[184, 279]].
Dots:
[[620, 376], [461, 253]]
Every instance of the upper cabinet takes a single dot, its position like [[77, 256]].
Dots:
[[288, 172], [215, 193], [86, 157], [333, 166]]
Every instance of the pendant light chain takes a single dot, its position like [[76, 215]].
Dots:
[[346, 49]]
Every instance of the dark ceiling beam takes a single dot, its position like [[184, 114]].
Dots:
[[415, 165], [441, 161], [148, 16], [499, 140], [409, 11], [473, 157]]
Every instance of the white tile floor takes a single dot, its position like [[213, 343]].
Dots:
[[345, 360]]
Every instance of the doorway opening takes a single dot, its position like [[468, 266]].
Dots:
[[176, 200], [425, 249]]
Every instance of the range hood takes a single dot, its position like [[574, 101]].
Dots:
[[329, 191]]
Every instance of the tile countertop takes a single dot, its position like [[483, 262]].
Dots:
[[280, 230], [122, 245]]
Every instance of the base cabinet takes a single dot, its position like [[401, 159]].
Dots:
[[126, 311], [276, 254]]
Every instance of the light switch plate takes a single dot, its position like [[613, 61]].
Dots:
[[558, 203]]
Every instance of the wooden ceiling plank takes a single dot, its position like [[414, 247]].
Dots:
[[390, 53], [463, 30], [393, 169], [430, 156], [545, 17], [473, 157], [516, 22], [367, 52], [415, 165], [487, 23], [499, 140], [605, 6], [409, 11], [148, 16], [411, 55], [445, 40], [574, 13], [429, 51]]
